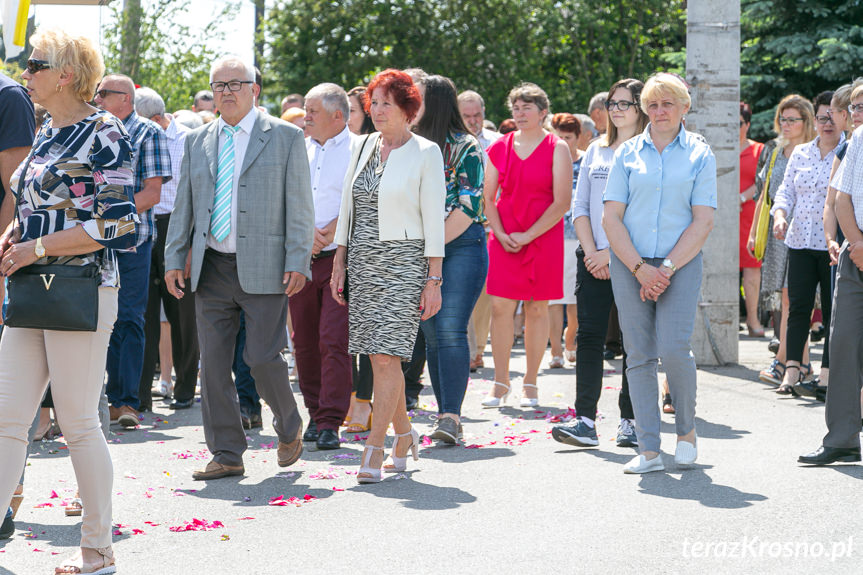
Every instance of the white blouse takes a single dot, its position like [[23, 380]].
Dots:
[[803, 193]]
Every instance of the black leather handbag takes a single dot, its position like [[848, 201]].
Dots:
[[54, 296]]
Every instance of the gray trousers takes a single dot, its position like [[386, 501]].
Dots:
[[219, 300], [846, 356], [654, 331]]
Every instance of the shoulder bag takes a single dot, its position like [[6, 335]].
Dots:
[[762, 231], [54, 296]]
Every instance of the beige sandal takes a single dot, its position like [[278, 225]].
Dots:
[[75, 566], [75, 508]]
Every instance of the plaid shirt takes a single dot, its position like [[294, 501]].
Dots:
[[176, 134], [151, 160]]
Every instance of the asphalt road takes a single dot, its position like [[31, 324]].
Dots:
[[511, 500]]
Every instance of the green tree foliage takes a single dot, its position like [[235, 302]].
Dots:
[[571, 48], [166, 55], [796, 47]]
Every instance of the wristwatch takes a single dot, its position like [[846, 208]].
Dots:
[[669, 264], [40, 249]]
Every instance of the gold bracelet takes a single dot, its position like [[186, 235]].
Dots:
[[638, 265]]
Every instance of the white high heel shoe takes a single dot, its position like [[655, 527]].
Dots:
[[400, 464], [492, 401], [373, 473], [529, 401]]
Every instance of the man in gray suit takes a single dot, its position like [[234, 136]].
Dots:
[[244, 210]]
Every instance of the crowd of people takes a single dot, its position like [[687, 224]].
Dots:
[[376, 230]]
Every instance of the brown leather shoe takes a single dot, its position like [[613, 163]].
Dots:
[[289, 453], [128, 417], [114, 413], [215, 470]]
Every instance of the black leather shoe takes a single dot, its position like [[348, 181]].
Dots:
[[412, 403], [809, 388], [255, 420], [177, 404], [145, 409], [826, 455], [328, 439], [311, 433], [7, 529]]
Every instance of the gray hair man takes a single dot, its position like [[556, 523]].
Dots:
[[203, 102], [588, 131], [320, 323], [180, 313], [245, 213], [597, 113], [471, 106], [152, 168]]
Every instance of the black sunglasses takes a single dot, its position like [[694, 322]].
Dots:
[[104, 92], [34, 65]]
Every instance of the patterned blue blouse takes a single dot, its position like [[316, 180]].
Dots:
[[80, 175]]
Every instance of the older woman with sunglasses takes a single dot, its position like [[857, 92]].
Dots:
[[802, 196], [82, 159]]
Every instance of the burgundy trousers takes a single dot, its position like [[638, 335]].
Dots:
[[321, 348]]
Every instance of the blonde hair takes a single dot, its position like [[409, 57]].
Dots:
[[807, 112], [857, 92], [665, 83], [77, 55]]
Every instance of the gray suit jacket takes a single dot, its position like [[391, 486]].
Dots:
[[276, 219]]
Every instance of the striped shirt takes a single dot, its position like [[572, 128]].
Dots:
[[176, 136], [151, 160]]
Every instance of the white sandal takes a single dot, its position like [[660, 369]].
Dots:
[[373, 473], [529, 401], [108, 566], [400, 464], [492, 401]]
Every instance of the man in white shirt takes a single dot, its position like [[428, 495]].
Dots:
[[180, 313], [320, 323], [842, 442], [472, 109]]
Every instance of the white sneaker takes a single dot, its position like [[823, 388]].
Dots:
[[686, 453], [163, 389], [639, 464]]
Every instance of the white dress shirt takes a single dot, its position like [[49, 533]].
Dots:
[[328, 163], [176, 134], [241, 142], [851, 180], [803, 193], [486, 138]]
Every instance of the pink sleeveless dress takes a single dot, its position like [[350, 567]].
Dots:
[[535, 272]]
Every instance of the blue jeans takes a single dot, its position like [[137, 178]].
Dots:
[[465, 265], [246, 390], [126, 349]]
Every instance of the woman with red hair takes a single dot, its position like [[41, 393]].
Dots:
[[392, 218]]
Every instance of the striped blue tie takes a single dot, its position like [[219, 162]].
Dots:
[[220, 223]]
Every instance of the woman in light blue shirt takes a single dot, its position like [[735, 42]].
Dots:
[[658, 212]]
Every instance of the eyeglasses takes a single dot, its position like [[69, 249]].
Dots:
[[232, 86], [105, 91], [622, 105], [789, 121], [854, 108], [34, 65], [823, 120]]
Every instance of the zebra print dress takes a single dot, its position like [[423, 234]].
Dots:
[[386, 278]]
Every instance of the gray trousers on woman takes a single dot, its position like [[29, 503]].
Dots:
[[654, 331]]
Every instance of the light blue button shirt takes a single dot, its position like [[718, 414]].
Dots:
[[659, 190]]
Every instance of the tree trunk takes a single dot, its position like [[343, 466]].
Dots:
[[713, 72], [130, 37], [259, 32]]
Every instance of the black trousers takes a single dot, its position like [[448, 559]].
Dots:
[[184, 333], [595, 301], [807, 269]]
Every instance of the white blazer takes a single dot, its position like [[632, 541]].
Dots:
[[411, 197]]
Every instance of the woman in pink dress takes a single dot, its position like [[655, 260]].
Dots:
[[528, 185]]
